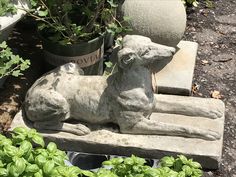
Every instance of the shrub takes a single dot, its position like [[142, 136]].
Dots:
[[7, 6], [11, 64], [74, 21]]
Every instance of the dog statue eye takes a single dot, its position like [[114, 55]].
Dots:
[[128, 58]]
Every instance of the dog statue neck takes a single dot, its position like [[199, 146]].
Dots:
[[134, 78]]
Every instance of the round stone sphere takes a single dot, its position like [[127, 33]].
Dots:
[[164, 21]]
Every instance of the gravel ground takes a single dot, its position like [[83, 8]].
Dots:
[[215, 72]]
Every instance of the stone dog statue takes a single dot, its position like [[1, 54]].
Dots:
[[124, 98]]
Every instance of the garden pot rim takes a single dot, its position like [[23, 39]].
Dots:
[[95, 39], [9, 19]]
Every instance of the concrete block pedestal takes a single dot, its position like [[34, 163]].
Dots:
[[176, 75], [107, 141]]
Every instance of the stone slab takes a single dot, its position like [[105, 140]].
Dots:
[[105, 141], [175, 76]]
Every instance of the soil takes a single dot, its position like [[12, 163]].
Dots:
[[215, 73], [215, 31]]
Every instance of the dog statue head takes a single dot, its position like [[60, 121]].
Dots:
[[141, 51]]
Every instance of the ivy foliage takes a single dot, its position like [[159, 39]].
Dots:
[[73, 21], [11, 64], [7, 6]]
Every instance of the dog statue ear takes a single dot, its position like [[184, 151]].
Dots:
[[126, 57]]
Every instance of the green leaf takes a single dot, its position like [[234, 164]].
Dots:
[[43, 13], [51, 147], [40, 160], [5, 142], [126, 18], [17, 139], [181, 174], [3, 172], [87, 173], [38, 174], [195, 165], [38, 139], [58, 160], [48, 167], [26, 147], [187, 170], [167, 161], [33, 3], [32, 168], [17, 168], [1, 163], [178, 165], [112, 4], [138, 160], [129, 161], [197, 172], [29, 158], [21, 131], [16, 73], [105, 173], [3, 45], [183, 159], [10, 151]]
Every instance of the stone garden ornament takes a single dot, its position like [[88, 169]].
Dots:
[[125, 98]]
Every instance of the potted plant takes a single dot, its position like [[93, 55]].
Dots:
[[136, 166], [73, 30], [24, 154], [10, 64], [10, 13]]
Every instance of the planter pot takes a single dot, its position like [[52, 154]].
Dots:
[[88, 55], [86, 161], [2, 81], [108, 40], [162, 21], [8, 21]]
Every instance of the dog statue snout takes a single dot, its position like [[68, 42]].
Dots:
[[141, 51]]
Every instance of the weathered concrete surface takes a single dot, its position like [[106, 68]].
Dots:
[[176, 75], [163, 21], [173, 76], [105, 141]]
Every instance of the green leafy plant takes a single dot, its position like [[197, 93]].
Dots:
[[73, 21], [11, 64], [7, 6], [136, 167], [24, 155]]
